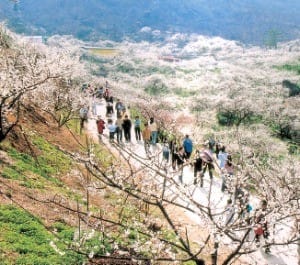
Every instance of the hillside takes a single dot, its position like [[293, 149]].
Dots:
[[65, 198], [102, 203], [251, 22], [52, 210], [211, 79]]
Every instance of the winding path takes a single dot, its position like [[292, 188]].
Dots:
[[285, 255]]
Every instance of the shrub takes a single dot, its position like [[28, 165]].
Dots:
[[236, 117], [282, 129], [156, 87], [125, 67], [294, 149], [5, 39], [294, 89]]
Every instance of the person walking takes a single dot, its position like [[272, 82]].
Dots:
[[83, 115], [211, 144], [261, 224], [180, 159], [109, 109], [154, 129], [173, 149], [207, 162], [137, 128], [197, 166], [100, 127], [222, 156], [119, 129], [106, 94], [112, 129], [227, 174], [188, 146], [166, 153], [218, 149], [146, 133], [99, 92], [127, 128], [119, 107]]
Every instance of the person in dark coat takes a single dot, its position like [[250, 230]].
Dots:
[[197, 166], [127, 128], [179, 162], [207, 162]]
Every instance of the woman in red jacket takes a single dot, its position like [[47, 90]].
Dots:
[[100, 127]]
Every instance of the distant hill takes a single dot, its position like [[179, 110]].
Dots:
[[248, 21]]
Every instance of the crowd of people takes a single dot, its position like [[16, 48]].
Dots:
[[210, 156]]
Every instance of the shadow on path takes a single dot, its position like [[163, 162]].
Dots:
[[272, 259]]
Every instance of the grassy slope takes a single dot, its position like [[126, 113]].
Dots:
[[36, 172], [35, 168]]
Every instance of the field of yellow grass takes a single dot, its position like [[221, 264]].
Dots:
[[104, 52]]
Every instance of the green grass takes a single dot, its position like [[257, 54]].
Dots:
[[33, 172], [74, 125], [52, 159], [104, 157], [170, 235], [24, 240], [23, 166]]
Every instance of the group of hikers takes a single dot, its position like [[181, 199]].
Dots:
[[209, 157]]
